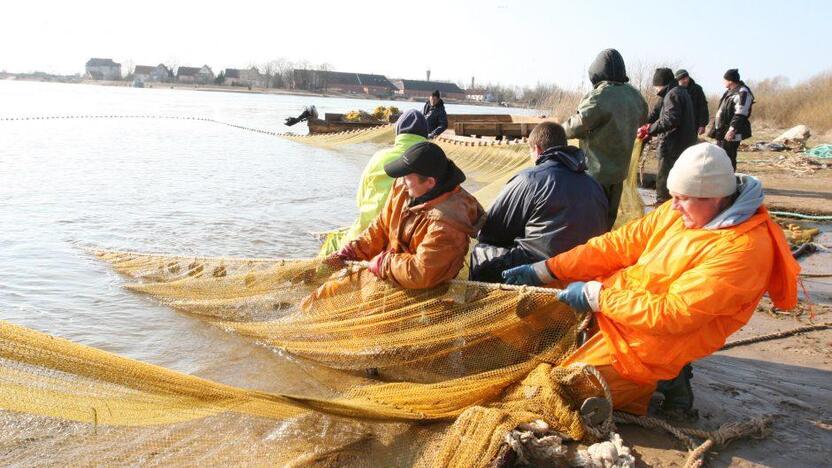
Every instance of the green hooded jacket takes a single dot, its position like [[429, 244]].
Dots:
[[372, 193], [607, 119]]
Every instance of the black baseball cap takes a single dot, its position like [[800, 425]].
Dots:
[[424, 158]]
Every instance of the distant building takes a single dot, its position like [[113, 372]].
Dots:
[[423, 89], [102, 69], [203, 75], [250, 77], [355, 83], [151, 74], [480, 95]]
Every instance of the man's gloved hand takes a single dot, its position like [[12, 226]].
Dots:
[[581, 296], [376, 264], [643, 132], [522, 275], [338, 260], [574, 296]]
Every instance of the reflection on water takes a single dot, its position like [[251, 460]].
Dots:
[[160, 186]]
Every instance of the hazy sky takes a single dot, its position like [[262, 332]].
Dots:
[[512, 42]]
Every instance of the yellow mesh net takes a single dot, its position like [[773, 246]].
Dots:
[[468, 349], [454, 368]]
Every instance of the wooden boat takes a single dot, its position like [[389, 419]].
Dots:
[[499, 126], [318, 126]]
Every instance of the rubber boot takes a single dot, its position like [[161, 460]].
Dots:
[[678, 396]]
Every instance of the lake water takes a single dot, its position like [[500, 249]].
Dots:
[[171, 186]]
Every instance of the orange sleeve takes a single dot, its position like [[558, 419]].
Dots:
[[604, 255], [438, 258], [726, 282], [373, 240]]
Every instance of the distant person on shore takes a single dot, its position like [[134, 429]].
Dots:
[[673, 122], [542, 211], [375, 184], [732, 124], [697, 95], [435, 114], [605, 123], [671, 287], [421, 237]]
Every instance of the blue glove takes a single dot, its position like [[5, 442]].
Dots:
[[522, 275], [575, 297]]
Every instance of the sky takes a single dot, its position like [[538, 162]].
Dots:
[[497, 41]]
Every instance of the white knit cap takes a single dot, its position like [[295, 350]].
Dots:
[[703, 171]]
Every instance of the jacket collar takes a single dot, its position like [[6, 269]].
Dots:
[[571, 157]]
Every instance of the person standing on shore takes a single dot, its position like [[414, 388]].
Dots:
[[605, 124], [673, 123], [700, 102], [435, 114], [732, 124]]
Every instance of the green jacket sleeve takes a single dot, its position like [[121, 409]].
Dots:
[[590, 116]]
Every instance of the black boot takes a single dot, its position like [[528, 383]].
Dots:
[[678, 396]]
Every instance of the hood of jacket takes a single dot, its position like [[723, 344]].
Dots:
[[749, 199], [608, 66], [571, 157]]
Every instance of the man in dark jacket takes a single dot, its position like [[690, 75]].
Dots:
[[606, 124], [673, 123], [732, 124], [697, 96], [434, 111], [542, 211]]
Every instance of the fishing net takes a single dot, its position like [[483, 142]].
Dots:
[[433, 377], [482, 357]]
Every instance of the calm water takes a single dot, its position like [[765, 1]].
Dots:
[[160, 186]]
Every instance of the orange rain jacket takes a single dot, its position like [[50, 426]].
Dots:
[[427, 243], [672, 295]]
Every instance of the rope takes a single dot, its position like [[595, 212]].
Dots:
[[603, 431], [757, 428], [790, 214], [777, 335], [505, 287], [243, 127]]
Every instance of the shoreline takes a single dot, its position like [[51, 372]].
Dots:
[[265, 91]]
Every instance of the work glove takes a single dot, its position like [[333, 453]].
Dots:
[[582, 297], [643, 132], [338, 260], [377, 263], [533, 274]]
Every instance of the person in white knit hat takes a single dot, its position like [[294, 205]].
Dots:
[[671, 287]]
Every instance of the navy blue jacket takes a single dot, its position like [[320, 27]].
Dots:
[[541, 212], [437, 118]]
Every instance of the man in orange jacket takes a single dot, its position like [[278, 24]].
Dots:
[[421, 237], [669, 288]]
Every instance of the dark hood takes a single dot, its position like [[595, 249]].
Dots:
[[608, 66], [453, 177], [571, 157]]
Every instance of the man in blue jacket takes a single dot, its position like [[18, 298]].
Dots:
[[543, 210]]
